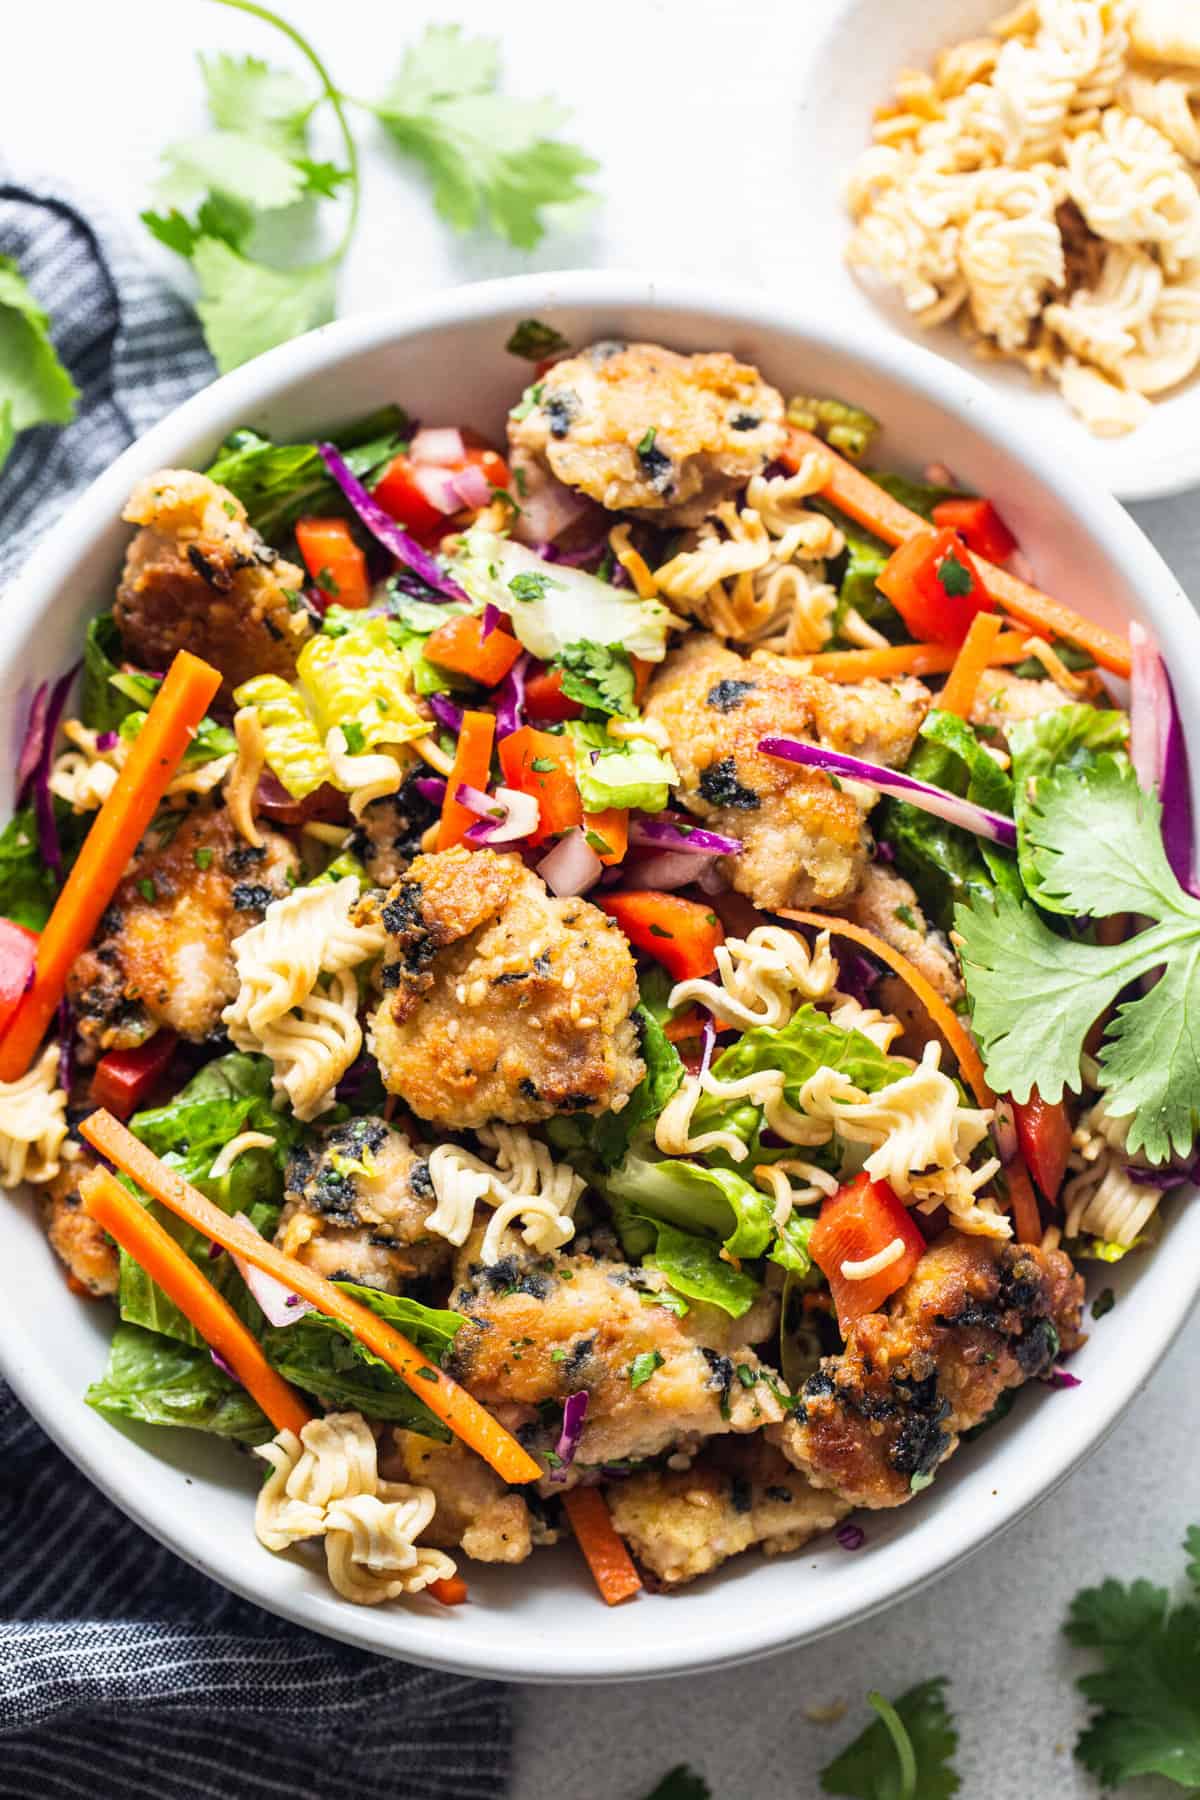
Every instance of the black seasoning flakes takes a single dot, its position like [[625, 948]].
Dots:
[[720, 786], [726, 696]]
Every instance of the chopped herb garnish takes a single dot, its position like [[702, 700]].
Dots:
[[642, 1367], [660, 931], [543, 765], [746, 1375], [327, 584], [147, 889], [1103, 1303], [647, 443], [907, 917], [356, 742], [954, 576], [529, 401], [202, 857], [533, 340], [531, 585]]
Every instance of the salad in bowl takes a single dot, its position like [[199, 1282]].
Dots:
[[603, 985]]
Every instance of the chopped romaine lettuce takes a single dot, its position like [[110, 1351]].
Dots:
[[295, 752], [360, 678], [279, 483], [718, 1203], [633, 772], [27, 884], [160, 1382], [695, 1267], [101, 705], [209, 742], [552, 605]]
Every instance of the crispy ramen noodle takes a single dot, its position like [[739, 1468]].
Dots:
[[526, 1185], [33, 1123], [762, 978], [242, 787], [364, 778], [238, 1146], [85, 775]]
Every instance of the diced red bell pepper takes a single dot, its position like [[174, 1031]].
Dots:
[[460, 645], [680, 934], [336, 563], [493, 466], [398, 494], [979, 525], [451, 1590], [934, 585], [544, 698], [1044, 1134], [608, 833], [18, 953], [124, 1079], [855, 1224], [543, 764]]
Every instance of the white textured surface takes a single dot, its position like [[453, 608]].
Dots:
[[690, 111]]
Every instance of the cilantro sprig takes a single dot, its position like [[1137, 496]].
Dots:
[[1092, 846], [1146, 1693], [904, 1754], [233, 200], [35, 388]]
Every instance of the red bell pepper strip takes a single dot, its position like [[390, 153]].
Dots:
[[855, 1224], [979, 525], [680, 934], [1044, 1134], [472, 768], [18, 953], [934, 585], [336, 563], [398, 494], [545, 700], [124, 1079], [543, 764], [460, 645]]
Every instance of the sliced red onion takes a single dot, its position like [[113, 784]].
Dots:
[[572, 867], [1062, 1378], [504, 816], [438, 444], [446, 712], [710, 880], [1159, 753], [473, 487], [956, 811], [510, 697], [326, 803], [1004, 1130], [385, 528], [574, 1413], [587, 556], [439, 487], [431, 788], [850, 1537], [489, 621], [279, 1304], [663, 869], [672, 831], [547, 508]]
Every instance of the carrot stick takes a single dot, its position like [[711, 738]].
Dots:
[[975, 655], [906, 659], [607, 1558], [472, 766], [1023, 1203], [943, 1016], [868, 504], [154, 1249], [449, 1402], [158, 750]]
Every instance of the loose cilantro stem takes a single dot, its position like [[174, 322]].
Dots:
[[903, 1743], [330, 93]]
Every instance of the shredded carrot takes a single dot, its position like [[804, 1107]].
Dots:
[[154, 1249], [943, 1016], [689, 1024], [451, 1590], [444, 1398], [1023, 1202], [906, 659], [158, 750], [868, 504], [472, 768], [607, 1558], [976, 653]]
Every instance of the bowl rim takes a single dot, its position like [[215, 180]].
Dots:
[[965, 400]]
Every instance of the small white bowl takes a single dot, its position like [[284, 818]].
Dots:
[[444, 359], [856, 50]]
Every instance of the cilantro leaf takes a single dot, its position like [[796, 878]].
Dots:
[[246, 307], [490, 158], [533, 340], [681, 1783], [599, 676], [232, 163], [1069, 737], [248, 95], [905, 1754], [1146, 1693], [35, 389], [1094, 844]]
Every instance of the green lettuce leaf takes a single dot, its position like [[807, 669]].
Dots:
[[27, 886], [552, 605], [632, 773], [160, 1382], [295, 751], [280, 483], [101, 705], [718, 1203], [695, 1268]]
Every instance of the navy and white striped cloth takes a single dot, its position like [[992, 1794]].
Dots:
[[124, 1673]]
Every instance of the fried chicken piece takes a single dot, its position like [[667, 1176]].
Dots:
[[804, 840], [501, 1002], [74, 1235], [540, 1328], [740, 1493], [162, 954], [976, 1317], [198, 577], [356, 1204], [476, 1512], [887, 905], [644, 430], [388, 835], [1005, 699]]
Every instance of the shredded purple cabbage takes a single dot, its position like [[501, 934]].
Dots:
[[708, 1034], [35, 737], [510, 697], [851, 1537], [447, 714], [107, 740], [36, 761], [674, 831], [951, 807], [574, 1413], [225, 1368], [385, 528], [489, 621], [431, 788], [857, 972], [1166, 1178], [1062, 1378]]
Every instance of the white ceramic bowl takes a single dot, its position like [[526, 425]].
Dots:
[[444, 359], [851, 59]]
